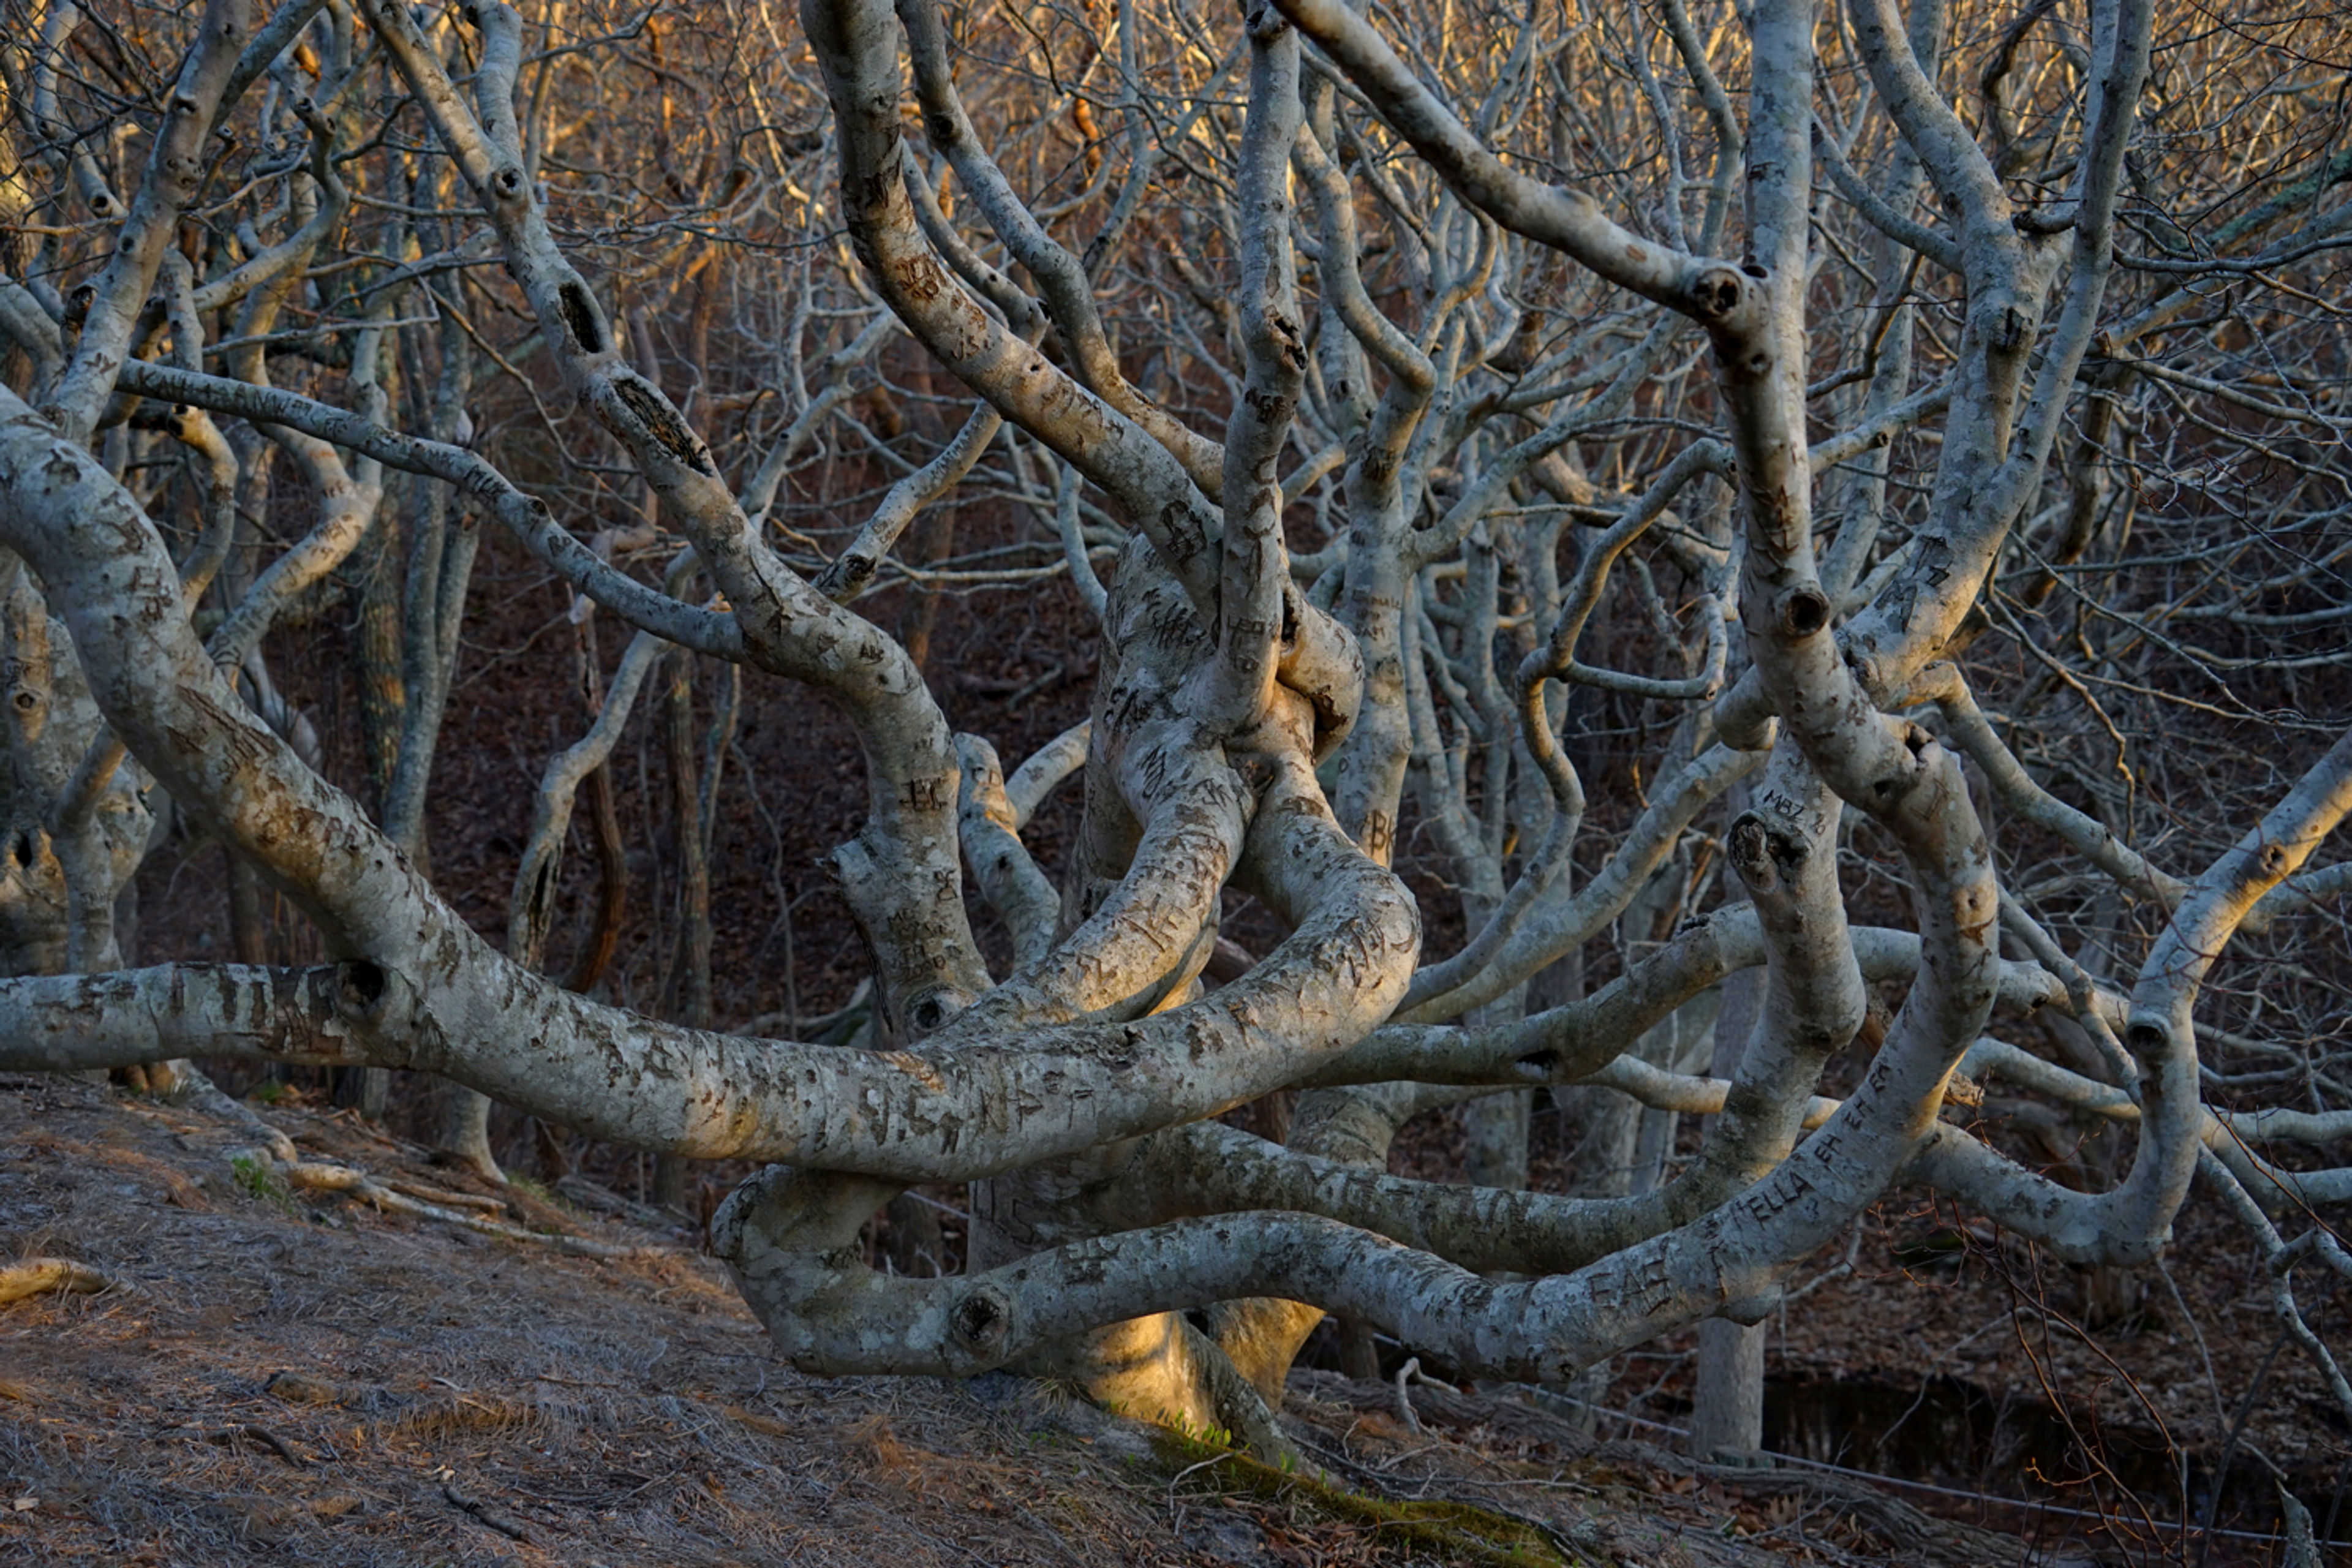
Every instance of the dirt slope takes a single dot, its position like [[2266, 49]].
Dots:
[[290, 1376]]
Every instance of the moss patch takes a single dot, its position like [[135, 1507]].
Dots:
[[1458, 1532]]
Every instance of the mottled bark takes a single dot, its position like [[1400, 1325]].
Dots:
[[1479, 419]]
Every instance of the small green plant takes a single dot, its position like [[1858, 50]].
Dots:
[[260, 1179], [532, 1186], [270, 1093], [1206, 1437]]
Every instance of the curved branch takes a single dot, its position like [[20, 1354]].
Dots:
[[1052, 762], [903, 859], [176, 165], [532, 904], [432, 994], [1068, 294], [1009, 879], [526, 518]]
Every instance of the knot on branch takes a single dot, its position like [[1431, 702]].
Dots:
[[1767, 859], [931, 1010], [1716, 294], [2005, 327], [982, 1321], [360, 989], [1805, 611], [1271, 407], [1292, 339], [1263, 23], [849, 572], [661, 421], [578, 309]]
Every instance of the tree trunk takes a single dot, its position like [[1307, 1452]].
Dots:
[[1727, 1395], [690, 849], [383, 708]]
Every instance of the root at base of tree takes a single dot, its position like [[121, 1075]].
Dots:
[[40, 1275]]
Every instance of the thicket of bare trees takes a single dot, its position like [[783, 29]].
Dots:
[[1821, 528]]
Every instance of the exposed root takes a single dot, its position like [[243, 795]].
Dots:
[[1919, 1535], [275, 1162], [252, 1432], [505, 1524], [604, 1200], [39, 1275], [314, 1176], [207, 1096], [447, 1200]]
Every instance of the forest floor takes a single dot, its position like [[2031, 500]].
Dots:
[[290, 1375]]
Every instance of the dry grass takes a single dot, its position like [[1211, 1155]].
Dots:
[[290, 1377]]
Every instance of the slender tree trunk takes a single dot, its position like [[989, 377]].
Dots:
[[384, 706], [693, 963], [921, 614], [596, 954], [1496, 1130], [1727, 1402]]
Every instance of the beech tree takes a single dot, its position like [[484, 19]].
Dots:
[[1906, 425]]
